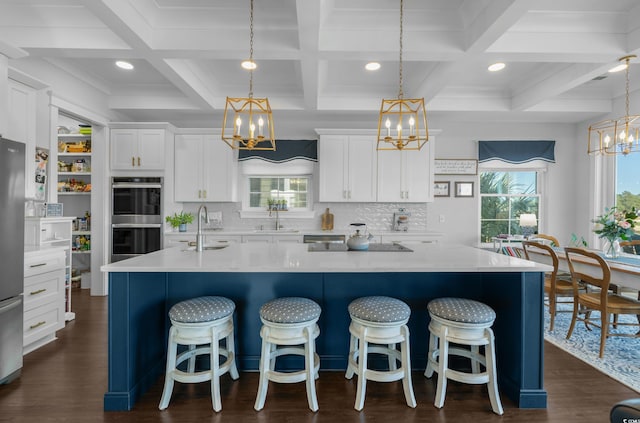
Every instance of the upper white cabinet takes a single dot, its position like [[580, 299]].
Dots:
[[205, 169], [22, 127], [406, 176], [347, 166], [137, 149]]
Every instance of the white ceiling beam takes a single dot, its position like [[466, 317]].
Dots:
[[309, 14], [560, 82], [488, 26]]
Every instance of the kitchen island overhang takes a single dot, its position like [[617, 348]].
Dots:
[[141, 291]]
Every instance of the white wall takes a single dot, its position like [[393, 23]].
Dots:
[[458, 140]]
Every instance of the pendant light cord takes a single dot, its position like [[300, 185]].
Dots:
[[251, 51], [400, 93], [627, 88]]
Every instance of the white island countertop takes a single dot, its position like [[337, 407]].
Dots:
[[249, 257]]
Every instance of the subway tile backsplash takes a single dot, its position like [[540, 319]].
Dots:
[[377, 216]]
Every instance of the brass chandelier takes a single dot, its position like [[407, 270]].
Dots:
[[616, 136], [248, 122], [402, 124]]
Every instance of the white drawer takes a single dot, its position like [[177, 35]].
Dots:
[[42, 321], [35, 264], [43, 288]]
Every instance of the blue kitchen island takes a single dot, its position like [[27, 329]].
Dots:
[[142, 289]]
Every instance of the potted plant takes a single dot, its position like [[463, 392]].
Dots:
[[180, 220]]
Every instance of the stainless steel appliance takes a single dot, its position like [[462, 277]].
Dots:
[[12, 203], [136, 216]]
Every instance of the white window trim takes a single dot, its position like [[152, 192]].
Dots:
[[541, 182]]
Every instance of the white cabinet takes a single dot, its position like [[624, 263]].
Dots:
[[55, 232], [406, 176], [174, 239], [22, 127], [347, 168], [137, 149], [44, 296], [205, 169], [412, 238], [272, 239]]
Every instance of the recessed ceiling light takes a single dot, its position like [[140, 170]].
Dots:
[[372, 66], [618, 68], [124, 65], [249, 64], [496, 67]]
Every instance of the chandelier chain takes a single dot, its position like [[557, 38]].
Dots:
[[251, 50], [400, 93], [627, 87]]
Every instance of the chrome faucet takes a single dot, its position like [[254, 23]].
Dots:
[[275, 209], [199, 236]]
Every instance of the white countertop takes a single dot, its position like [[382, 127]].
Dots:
[[286, 231], [250, 257]]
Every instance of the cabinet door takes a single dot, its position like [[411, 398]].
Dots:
[[188, 172], [219, 170], [362, 168], [22, 127], [150, 149], [390, 176], [124, 148], [419, 173], [333, 170]]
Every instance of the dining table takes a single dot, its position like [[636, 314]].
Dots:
[[625, 269]]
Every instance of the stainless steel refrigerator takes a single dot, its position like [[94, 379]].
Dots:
[[12, 185]]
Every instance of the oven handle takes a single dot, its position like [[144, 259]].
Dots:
[[136, 225], [134, 185]]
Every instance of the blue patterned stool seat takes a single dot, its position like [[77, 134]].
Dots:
[[461, 310], [379, 309], [290, 310], [201, 309]]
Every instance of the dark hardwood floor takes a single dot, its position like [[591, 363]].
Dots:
[[65, 382]]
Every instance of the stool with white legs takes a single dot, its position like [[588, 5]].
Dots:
[[463, 322], [378, 325], [200, 324], [289, 322]]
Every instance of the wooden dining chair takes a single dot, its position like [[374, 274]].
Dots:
[[553, 240], [631, 247], [554, 288], [600, 298]]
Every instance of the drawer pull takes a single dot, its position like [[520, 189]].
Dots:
[[39, 291], [38, 265], [37, 325]]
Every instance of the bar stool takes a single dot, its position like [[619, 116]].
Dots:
[[200, 323], [289, 322], [463, 322], [381, 321]]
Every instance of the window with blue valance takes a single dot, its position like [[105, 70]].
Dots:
[[516, 154]]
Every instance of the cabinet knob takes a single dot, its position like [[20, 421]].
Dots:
[[199, 193], [133, 161], [204, 193], [138, 161]]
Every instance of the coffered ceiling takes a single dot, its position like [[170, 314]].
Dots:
[[311, 55]]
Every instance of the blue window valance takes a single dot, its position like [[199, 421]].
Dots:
[[286, 151], [516, 152]]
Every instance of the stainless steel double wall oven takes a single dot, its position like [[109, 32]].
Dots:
[[136, 216]]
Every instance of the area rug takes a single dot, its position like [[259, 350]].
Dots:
[[621, 359]]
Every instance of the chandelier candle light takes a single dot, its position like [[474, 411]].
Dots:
[[404, 120], [617, 136], [250, 119]]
